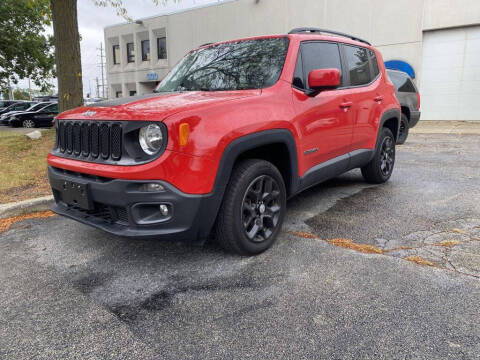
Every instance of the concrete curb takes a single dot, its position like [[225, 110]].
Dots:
[[26, 206]]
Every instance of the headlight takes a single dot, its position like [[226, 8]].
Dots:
[[151, 139]]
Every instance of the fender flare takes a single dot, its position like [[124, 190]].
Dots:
[[387, 115], [231, 153]]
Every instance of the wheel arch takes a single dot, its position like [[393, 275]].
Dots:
[[390, 119], [242, 148]]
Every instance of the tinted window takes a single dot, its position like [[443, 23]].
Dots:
[[357, 65], [162, 47], [373, 59], [116, 54], [52, 108], [298, 75], [401, 82], [320, 55], [239, 65], [145, 50], [130, 53], [22, 106]]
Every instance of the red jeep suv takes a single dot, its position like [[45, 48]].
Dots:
[[232, 132]]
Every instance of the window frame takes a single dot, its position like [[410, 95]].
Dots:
[[158, 48], [347, 73], [115, 60], [305, 76], [145, 56], [128, 54]]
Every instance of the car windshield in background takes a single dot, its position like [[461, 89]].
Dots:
[[241, 65]]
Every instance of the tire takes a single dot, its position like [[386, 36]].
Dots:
[[403, 131], [380, 168], [28, 123], [245, 211]]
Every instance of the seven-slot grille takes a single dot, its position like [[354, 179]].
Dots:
[[93, 139]]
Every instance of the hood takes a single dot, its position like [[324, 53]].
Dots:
[[157, 106]]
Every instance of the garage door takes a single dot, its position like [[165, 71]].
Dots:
[[450, 80]]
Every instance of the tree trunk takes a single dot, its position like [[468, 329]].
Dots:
[[67, 51]]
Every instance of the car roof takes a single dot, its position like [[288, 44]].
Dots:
[[303, 34]]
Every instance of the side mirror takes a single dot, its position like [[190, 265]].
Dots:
[[323, 79]]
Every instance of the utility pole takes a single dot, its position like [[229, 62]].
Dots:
[[102, 66], [98, 87]]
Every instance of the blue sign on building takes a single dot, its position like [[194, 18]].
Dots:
[[401, 66], [152, 76]]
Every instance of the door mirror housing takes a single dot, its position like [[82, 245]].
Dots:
[[322, 79]]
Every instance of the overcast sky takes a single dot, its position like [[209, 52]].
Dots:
[[92, 20]]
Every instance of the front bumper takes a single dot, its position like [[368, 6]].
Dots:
[[414, 117], [119, 207]]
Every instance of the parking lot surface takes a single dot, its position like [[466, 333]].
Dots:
[[359, 271]]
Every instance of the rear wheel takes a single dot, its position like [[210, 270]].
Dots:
[[380, 168], [253, 208], [403, 131], [28, 123]]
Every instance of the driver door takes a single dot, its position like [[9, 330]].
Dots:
[[324, 121]]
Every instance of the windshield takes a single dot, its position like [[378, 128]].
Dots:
[[241, 65]]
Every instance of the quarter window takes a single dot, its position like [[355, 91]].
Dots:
[[130, 52], [373, 59], [162, 47], [316, 55], [116, 54], [357, 65], [146, 50]]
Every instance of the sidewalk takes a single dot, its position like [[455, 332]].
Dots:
[[446, 127]]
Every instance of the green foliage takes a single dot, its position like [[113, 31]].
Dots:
[[20, 94], [25, 51]]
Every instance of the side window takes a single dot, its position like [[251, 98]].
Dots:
[[357, 65], [52, 108], [319, 55], [373, 59], [407, 87], [298, 81]]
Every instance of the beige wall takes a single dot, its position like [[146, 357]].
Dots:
[[439, 14], [394, 26]]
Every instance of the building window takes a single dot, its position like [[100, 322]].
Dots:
[[116, 54], [145, 50], [130, 53], [133, 93], [162, 47], [118, 94]]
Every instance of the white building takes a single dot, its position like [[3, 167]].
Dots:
[[440, 39]]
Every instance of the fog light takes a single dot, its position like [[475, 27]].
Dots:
[[151, 187], [164, 210]]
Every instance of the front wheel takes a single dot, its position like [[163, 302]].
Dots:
[[28, 123], [253, 209], [380, 168]]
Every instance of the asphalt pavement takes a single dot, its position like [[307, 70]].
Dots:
[[71, 292]]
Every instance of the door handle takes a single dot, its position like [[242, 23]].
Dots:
[[378, 98], [346, 105]]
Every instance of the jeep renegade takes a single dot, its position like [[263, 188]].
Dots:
[[232, 132]]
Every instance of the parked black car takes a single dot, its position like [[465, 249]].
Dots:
[[5, 118], [43, 117], [409, 99], [17, 106], [6, 103]]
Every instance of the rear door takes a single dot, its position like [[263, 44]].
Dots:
[[364, 89], [324, 121]]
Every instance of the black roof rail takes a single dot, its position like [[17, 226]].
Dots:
[[325, 31], [206, 44]]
